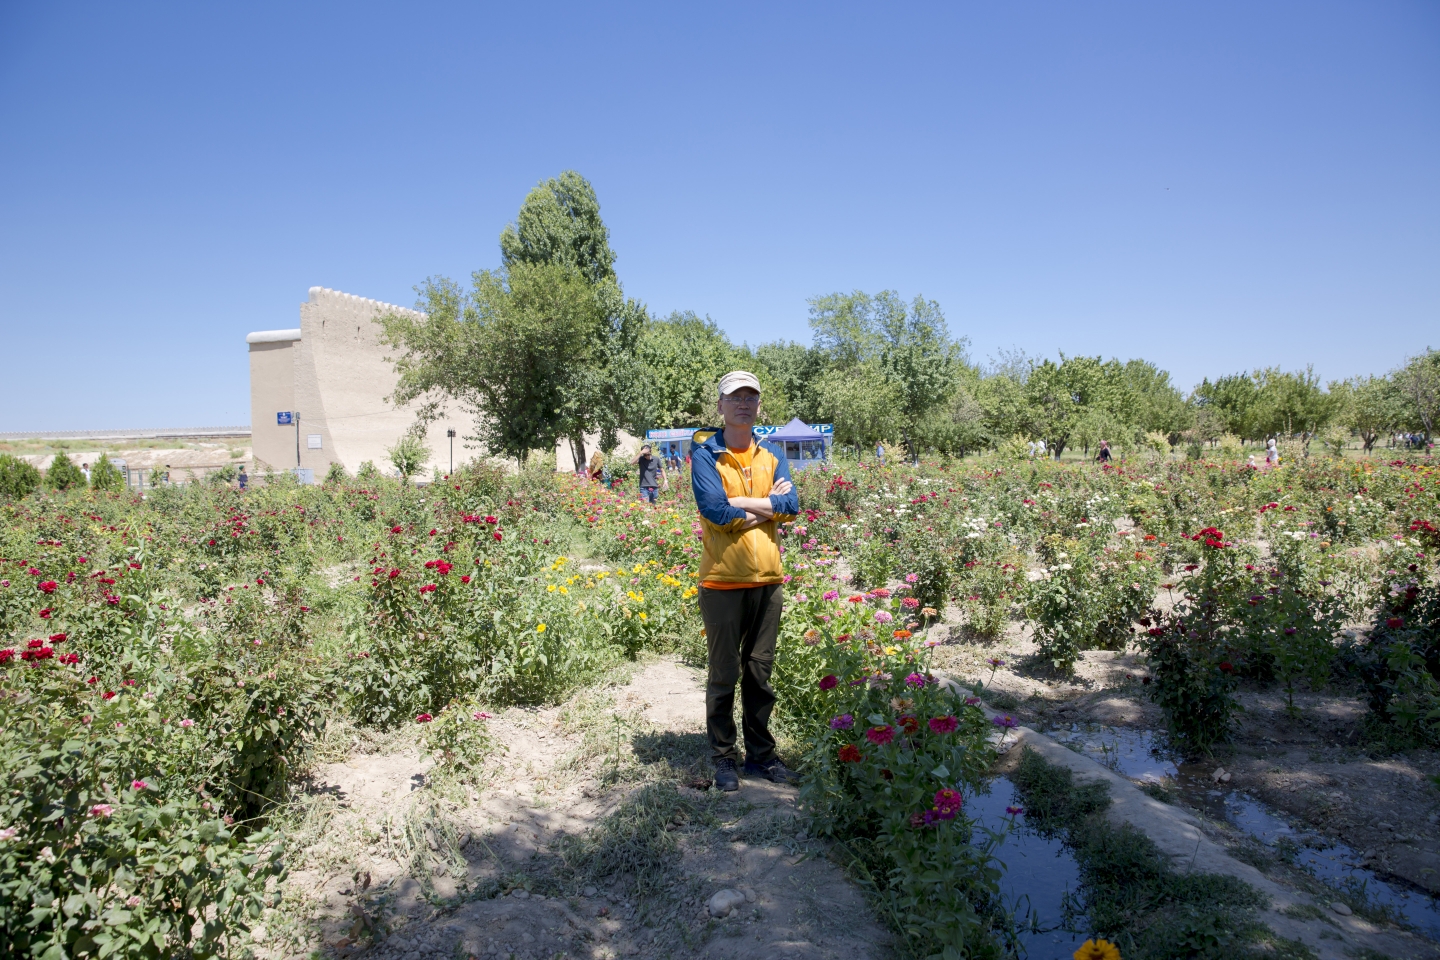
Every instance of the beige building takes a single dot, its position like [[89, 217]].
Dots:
[[332, 372]]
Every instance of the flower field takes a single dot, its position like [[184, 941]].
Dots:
[[169, 664]]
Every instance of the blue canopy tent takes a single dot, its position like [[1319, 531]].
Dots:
[[803, 445]]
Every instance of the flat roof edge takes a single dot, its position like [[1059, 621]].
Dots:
[[272, 336]]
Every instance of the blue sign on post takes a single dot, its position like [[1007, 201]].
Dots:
[[283, 418]]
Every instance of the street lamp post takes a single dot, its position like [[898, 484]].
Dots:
[[451, 435]]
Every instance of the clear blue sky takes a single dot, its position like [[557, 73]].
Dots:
[[1212, 186]]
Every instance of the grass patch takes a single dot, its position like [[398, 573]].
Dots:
[[636, 850], [1129, 893], [1163, 792]]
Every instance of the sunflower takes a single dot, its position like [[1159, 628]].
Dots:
[[1097, 950]]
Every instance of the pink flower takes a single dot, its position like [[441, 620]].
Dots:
[[945, 724], [396, 529], [1014, 811], [831, 595], [187, 722], [948, 802], [47, 586], [139, 785], [829, 681], [424, 718], [843, 722], [880, 735], [1006, 722], [912, 578], [915, 680], [882, 617], [910, 603], [482, 715], [101, 810]]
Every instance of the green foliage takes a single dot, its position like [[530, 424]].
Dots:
[[1094, 590], [96, 866], [684, 357], [1419, 383], [336, 473], [408, 456], [1399, 664], [18, 479], [1194, 678], [104, 475], [890, 770], [559, 223], [63, 474], [1129, 892], [908, 349]]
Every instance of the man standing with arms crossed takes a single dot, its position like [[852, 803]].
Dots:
[[743, 492]]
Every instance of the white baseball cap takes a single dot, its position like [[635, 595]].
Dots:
[[736, 379]]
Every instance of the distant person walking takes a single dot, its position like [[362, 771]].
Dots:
[[652, 474], [743, 492], [597, 466], [1104, 455], [880, 453], [244, 477], [1272, 453]]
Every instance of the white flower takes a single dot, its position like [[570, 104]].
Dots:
[[9, 833]]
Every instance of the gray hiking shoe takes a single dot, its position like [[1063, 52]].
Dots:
[[726, 777], [772, 770]]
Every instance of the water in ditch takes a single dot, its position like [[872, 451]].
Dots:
[[1143, 757], [1038, 873]]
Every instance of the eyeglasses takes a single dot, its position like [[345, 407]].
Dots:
[[747, 401]]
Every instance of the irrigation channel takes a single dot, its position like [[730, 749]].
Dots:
[[1142, 757]]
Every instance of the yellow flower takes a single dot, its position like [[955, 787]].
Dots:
[[540, 628], [891, 651], [1097, 950], [642, 615], [550, 588], [564, 589]]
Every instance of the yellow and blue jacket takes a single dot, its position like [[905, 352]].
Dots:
[[730, 556]]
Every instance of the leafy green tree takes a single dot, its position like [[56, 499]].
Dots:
[[863, 403], [684, 357], [559, 222], [408, 455], [541, 349], [1419, 383], [1291, 403], [1150, 401], [63, 474], [105, 475], [958, 427], [1369, 407], [18, 479], [797, 370], [1234, 401], [519, 351], [1060, 394], [910, 346]]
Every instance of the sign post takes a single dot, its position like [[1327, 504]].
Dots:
[[283, 418]]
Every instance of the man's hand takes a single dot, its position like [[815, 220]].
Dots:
[[761, 506]]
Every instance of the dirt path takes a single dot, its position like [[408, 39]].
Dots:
[[588, 839]]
